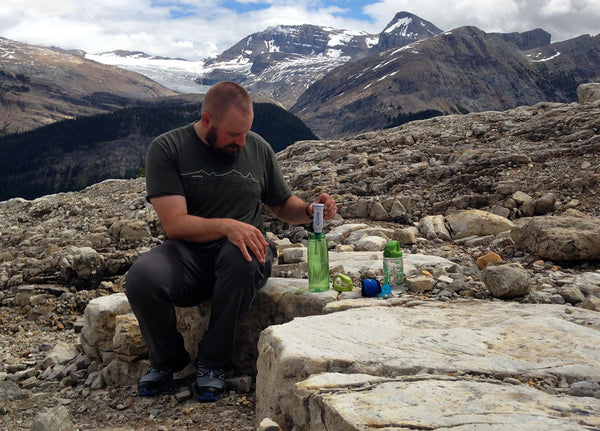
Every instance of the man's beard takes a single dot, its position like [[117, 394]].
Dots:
[[229, 152]]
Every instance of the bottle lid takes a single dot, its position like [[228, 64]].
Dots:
[[392, 249], [342, 283], [386, 291]]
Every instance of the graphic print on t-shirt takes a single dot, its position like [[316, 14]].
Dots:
[[202, 174]]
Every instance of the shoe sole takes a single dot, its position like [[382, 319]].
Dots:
[[145, 392], [206, 396]]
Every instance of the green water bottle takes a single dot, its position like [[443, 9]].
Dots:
[[318, 263], [318, 255]]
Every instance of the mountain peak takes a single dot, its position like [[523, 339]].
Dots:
[[405, 28]]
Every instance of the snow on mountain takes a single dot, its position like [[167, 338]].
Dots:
[[176, 74], [279, 62], [541, 57], [401, 24]]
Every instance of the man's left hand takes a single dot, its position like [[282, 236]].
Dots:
[[330, 209]]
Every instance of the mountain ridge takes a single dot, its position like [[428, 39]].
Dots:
[[292, 64], [283, 61], [459, 71], [40, 85]]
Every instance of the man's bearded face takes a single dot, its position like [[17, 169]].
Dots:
[[227, 152]]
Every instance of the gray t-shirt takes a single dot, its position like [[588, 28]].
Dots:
[[179, 163]]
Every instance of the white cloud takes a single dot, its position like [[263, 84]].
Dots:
[[564, 19], [556, 7], [205, 27]]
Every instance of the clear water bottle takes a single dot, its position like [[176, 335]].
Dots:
[[393, 267]]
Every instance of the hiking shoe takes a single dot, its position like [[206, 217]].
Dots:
[[155, 381], [209, 384]]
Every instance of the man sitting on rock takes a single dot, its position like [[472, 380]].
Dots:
[[207, 181]]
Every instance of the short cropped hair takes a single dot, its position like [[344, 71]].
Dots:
[[225, 95]]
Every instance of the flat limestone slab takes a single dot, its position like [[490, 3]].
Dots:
[[489, 339], [439, 402]]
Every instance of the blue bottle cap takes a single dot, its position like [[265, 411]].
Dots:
[[370, 287], [386, 290]]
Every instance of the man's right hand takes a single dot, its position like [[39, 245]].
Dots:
[[248, 239]]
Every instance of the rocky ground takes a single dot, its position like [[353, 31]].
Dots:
[[59, 252]]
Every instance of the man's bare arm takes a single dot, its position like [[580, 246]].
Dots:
[[181, 226], [294, 210]]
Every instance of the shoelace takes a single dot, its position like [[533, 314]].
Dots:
[[215, 373]]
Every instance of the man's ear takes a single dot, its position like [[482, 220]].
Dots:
[[206, 120]]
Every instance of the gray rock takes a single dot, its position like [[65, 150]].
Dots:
[[434, 227], [61, 353], [545, 204], [98, 331], [572, 294], [371, 243], [397, 210], [405, 236], [268, 424], [585, 389], [435, 402], [359, 209], [560, 238], [588, 93], [240, 384], [378, 212], [591, 303], [419, 283], [528, 208], [520, 197], [506, 280], [53, 419], [10, 391], [294, 255], [537, 297], [588, 283]]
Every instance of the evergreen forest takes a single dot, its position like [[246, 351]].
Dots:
[[73, 154]]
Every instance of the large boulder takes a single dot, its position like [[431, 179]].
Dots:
[[589, 93], [476, 223], [560, 238]]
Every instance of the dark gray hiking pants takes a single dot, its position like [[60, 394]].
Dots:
[[184, 274]]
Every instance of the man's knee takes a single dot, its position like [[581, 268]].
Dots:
[[232, 260], [141, 278]]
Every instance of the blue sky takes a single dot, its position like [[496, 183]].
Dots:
[[347, 8], [196, 29]]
